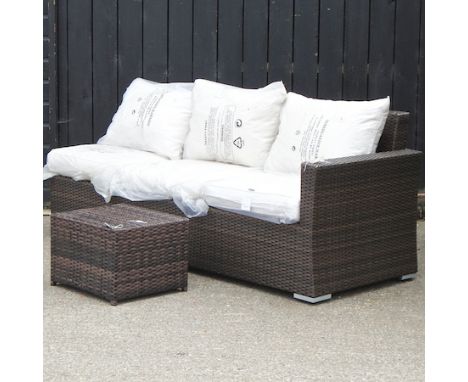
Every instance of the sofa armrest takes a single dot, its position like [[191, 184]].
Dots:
[[395, 133], [360, 217], [346, 190], [360, 214]]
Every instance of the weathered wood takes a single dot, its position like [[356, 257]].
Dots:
[[381, 42], [230, 42], [45, 90], [80, 72], [306, 23], [45, 112], [420, 116], [62, 72], [130, 43], [45, 47], [105, 91], [281, 44], [421, 85], [45, 26], [255, 43], [330, 79], [46, 133], [45, 68], [155, 29], [405, 79], [356, 49], [205, 39], [52, 75], [180, 41]]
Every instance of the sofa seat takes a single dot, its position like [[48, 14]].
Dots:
[[271, 197], [194, 185]]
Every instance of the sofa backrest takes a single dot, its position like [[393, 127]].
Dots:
[[394, 135]]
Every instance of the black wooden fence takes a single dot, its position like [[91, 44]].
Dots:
[[336, 49], [49, 62]]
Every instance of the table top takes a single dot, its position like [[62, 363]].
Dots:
[[120, 217]]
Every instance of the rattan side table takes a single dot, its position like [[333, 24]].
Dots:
[[119, 251]]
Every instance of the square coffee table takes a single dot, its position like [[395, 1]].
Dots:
[[119, 251]]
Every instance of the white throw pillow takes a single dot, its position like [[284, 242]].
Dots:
[[312, 130], [233, 125], [152, 117]]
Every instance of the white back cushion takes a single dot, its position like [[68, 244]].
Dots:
[[233, 125], [152, 117], [314, 129]]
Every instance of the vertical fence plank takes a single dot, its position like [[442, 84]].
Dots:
[[130, 44], [421, 84], [381, 41], [104, 65], [49, 132], [52, 77], [420, 131], [205, 39], [80, 74], [155, 40], [230, 42], [255, 43], [405, 78], [180, 41], [45, 69], [62, 72], [356, 47], [46, 132], [280, 44], [306, 22], [330, 79]]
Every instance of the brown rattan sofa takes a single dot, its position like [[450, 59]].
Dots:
[[357, 225]]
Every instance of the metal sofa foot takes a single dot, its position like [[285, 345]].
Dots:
[[312, 300], [410, 276], [113, 302]]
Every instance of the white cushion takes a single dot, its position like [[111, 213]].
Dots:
[[272, 197], [153, 117], [233, 125], [314, 129], [181, 180], [194, 185], [83, 162]]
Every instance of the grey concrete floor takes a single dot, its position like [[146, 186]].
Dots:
[[221, 330]]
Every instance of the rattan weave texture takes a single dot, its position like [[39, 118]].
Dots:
[[357, 227], [119, 252]]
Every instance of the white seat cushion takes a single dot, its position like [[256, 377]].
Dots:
[[181, 180], [194, 185], [272, 197], [83, 162]]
